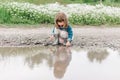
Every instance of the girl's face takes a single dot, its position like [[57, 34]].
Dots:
[[61, 23]]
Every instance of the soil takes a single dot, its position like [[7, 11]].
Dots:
[[84, 37]]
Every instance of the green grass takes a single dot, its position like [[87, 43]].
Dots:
[[4, 15], [30, 17], [106, 2], [45, 1], [17, 15], [114, 4]]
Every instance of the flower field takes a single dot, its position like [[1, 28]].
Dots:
[[27, 13]]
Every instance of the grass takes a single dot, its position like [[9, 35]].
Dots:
[[25, 13], [107, 2], [45, 1], [24, 17]]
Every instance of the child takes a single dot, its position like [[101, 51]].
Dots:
[[62, 32]]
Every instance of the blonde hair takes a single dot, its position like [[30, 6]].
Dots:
[[60, 16]]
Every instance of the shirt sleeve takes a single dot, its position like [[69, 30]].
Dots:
[[70, 33]]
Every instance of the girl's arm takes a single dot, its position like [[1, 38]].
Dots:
[[70, 33], [52, 34]]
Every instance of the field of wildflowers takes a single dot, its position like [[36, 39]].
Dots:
[[27, 13]]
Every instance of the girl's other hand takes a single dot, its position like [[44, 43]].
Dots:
[[52, 37], [68, 44]]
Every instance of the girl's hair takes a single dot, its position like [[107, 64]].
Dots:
[[60, 16]]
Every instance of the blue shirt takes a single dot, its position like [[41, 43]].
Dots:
[[68, 29]]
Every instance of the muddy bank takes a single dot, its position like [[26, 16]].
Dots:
[[85, 37]]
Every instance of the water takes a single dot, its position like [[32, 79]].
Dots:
[[59, 63]]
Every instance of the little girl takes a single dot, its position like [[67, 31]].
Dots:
[[62, 32]]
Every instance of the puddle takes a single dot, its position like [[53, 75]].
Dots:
[[59, 63]]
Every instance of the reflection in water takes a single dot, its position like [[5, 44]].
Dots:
[[62, 58], [51, 63], [32, 55], [59, 58], [97, 54], [38, 59]]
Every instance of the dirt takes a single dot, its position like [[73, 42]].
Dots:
[[84, 37]]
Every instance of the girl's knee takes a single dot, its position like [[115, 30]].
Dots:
[[64, 34]]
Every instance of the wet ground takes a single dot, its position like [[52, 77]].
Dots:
[[59, 63], [84, 37]]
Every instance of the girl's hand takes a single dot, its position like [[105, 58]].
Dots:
[[68, 44], [51, 38]]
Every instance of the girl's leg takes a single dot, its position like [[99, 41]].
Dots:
[[63, 37], [56, 35]]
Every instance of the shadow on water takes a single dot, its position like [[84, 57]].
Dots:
[[51, 63]]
